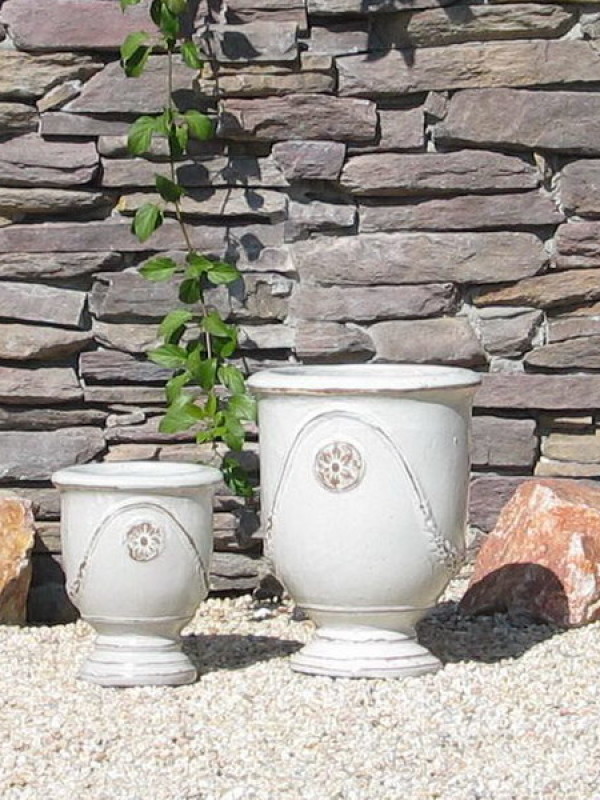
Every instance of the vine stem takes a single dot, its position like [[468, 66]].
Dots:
[[177, 203]]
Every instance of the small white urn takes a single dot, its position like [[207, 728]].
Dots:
[[137, 542], [364, 484]]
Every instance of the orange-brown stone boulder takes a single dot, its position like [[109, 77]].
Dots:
[[543, 557], [16, 542]]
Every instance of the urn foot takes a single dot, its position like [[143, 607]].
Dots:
[[130, 660], [363, 652]]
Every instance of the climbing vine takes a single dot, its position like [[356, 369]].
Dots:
[[197, 343]]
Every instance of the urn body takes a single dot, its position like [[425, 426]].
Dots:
[[364, 482], [137, 542]]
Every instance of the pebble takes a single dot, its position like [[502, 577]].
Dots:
[[512, 716]]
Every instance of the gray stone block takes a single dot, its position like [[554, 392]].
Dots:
[[34, 455], [37, 303]]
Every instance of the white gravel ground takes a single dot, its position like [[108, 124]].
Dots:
[[515, 714]]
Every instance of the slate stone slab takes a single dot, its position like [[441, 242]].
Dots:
[[303, 116], [329, 7], [48, 419], [17, 118], [580, 187], [33, 456], [112, 234], [466, 212], [578, 245], [332, 341], [552, 290], [37, 303], [314, 216], [111, 92], [216, 203], [436, 27], [508, 335], [61, 123], [37, 342], [400, 258], [33, 161], [26, 77], [471, 65], [501, 442], [448, 340], [38, 25], [255, 41], [127, 296], [582, 353], [560, 121], [32, 387], [399, 129], [367, 304], [306, 160], [436, 173], [21, 202], [242, 171], [48, 266], [111, 366], [543, 392]]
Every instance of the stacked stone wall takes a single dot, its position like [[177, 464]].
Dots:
[[398, 181]]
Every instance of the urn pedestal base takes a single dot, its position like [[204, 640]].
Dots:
[[363, 652], [129, 660]]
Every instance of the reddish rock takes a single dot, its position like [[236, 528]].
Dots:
[[543, 556], [16, 542]]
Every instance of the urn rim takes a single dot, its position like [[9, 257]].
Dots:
[[124, 475], [361, 379]]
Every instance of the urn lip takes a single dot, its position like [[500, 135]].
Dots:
[[136, 475], [361, 379]]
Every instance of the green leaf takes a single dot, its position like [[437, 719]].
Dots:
[[168, 22], [203, 370], [173, 322], [135, 64], [199, 125], [180, 416], [155, 11], [125, 3], [197, 265], [163, 122], [169, 355], [177, 6], [213, 324], [243, 407], [169, 191], [211, 404], [178, 139], [234, 434], [160, 268], [190, 291], [132, 43], [228, 348], [139, 138], [232, 378], [191, 55], [221, 273], [174, 386], [236, 477], [148, 218]]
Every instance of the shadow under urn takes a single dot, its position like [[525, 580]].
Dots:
[[364, 486], [137, 541]]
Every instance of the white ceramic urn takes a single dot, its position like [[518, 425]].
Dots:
[[137, 541], [364, 483]]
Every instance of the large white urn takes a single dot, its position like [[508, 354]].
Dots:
[[137, 542], [364, 484]]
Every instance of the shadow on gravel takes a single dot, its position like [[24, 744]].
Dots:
[[210, 653], [454, 637]]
